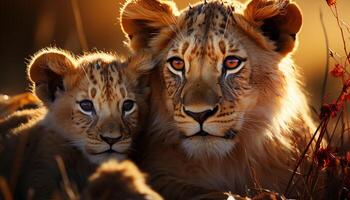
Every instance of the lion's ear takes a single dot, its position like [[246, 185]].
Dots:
[[143, 19], [50, 72], [279, 20]]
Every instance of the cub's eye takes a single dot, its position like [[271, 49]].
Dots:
[[176, 63], [86, 107], [128, 106], [232, 62]]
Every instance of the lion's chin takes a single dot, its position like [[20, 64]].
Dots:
[[208, 146], [99, 158]]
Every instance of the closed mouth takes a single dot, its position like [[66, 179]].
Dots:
[[230, 134], [201, 133], [109, 151]]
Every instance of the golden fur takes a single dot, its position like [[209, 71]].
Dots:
[[31, 139], [118, 180], [22, 101], [214, 127]]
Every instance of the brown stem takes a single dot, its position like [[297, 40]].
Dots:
[[79, 25], [302, 157], [325, 79], [342, 32]]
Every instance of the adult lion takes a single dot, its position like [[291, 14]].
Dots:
[[228, 111]]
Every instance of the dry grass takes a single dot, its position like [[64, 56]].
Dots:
[[333, 160]]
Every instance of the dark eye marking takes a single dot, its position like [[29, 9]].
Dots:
[[184, 47], [222, 47]]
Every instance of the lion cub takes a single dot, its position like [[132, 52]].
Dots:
[[93, 105]]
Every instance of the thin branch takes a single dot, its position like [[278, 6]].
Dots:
[[303, 156], [342, 32], [335, 128], [325, 79]]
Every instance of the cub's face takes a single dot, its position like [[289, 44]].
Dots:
[[97, 106], [104, 110], [219, 65]]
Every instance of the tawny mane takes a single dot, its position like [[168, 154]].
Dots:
[[277, 125]]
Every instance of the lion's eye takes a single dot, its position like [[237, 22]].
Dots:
[[232, 62], [176, 63], [128, 106], [86, 106]]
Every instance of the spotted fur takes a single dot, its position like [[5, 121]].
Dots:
[[220, 126], [101, 78], [63, 128]]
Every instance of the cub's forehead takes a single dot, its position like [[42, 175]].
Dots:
[[103, 76], [102, 65], [103, 59]]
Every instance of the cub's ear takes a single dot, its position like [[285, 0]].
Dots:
[[143, 19], [50, 72], [279, 20]]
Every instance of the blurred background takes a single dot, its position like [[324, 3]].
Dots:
[[29, 25]]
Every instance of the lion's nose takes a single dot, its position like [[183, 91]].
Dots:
[[110, 140], [200, 117]]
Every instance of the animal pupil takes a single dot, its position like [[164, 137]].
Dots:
[[86, 105], [128, 105], [232, 62], [176, 63]]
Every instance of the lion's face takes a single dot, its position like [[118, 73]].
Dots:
[[97, 107], [209, 85], [218, 69]]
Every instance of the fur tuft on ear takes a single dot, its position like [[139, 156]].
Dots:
[[139, 67], [47, 71], [142, 19], [141, 62], [279, 20]]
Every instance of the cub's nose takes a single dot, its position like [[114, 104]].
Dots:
[[200, 117], [110, 140]]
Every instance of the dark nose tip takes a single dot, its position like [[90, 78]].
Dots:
[[110, 140], [200, 117]]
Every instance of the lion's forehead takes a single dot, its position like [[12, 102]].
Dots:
[[207, 29], [207, 18], [213, 47]]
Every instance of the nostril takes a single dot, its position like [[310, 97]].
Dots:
[[110, 140], [202, 116]]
